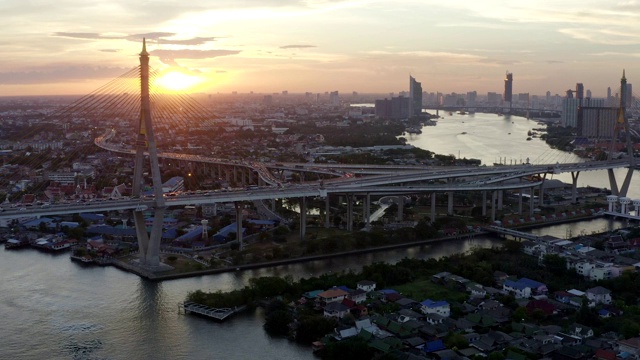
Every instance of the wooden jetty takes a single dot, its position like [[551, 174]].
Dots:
[[219, 314]]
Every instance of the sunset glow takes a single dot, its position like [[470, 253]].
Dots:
[[177, 81]]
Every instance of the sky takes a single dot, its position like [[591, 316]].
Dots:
[[368, 46]]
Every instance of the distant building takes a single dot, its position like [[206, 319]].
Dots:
[[596, 122], [395, 108], [579, 91], [415, 97], [508, 87]]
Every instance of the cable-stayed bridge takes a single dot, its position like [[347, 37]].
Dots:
[[157, 117]]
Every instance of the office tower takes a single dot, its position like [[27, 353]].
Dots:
[[415, 97], [589, 93], [569, 94], [579, 91], [472, 96], [548, 97], [334, 98], [508, 87], [493, 98]]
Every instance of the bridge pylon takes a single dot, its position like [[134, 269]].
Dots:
[[148, 244], [622, 124]]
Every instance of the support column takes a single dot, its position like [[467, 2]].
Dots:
[[574, 187], [612, 182], [433, 207], [243, 176], [327, 211], [531, 191], [493, 205], [484, 203], [236, 204], [303, 217], [400, 201], [520, 202], [349, 212], [500, 202], [367, 209], [235, 174], [450, 203]]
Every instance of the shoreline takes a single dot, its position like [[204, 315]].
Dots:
[[160, 277]]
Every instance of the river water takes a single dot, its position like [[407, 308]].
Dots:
[[503, 139], [53, 308]]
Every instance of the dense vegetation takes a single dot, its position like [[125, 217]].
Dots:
[[559, 137]]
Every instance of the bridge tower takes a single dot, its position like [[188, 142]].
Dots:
[[621, 124], [148, 244]]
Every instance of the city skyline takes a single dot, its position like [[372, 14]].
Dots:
[[368, 46]]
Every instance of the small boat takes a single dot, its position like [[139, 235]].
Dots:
[[529, 138]]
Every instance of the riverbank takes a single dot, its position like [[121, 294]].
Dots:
[[126, 266]]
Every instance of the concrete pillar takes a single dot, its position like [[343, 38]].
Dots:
[[531, 192], [400, 201], [243, 175], [235, 174], [574, 187], [303, 217], [612, 182], [239, 225], [541, 194], [349, 212], [500, 194], [273, 205], [636, 205], [624, 205], [450, 203], [493, 205], [327, 211], [484, 203], [433, 207], [367, 207], [520, 202], [612, 200]]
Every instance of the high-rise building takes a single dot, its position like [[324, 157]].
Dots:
[[396, 108], [589, 94], [596, 122], [579, 91], [508, 87], [493, 98], [415, 97], [334, 98], [472, 96]]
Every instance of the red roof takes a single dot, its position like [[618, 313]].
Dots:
[[605, 354]]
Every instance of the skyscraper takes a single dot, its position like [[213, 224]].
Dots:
[[508, 87], [415, 97], [579, 91]]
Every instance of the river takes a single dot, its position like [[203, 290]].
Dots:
[[53, 308], [503, 139]]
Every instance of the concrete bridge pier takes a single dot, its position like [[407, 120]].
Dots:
[[400, 201], [520, 202], [574, 186], [349, 212], [235, 174], [238, 208], [450, 203], [500, 200], [433, 207], [303, 217], [243, 175], [367, 209], [531, 192], [493, 205], [327, 211], [484, 203]]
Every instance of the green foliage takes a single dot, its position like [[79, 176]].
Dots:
[[353, 349], [277, 318], [456, 340], [313, 327]]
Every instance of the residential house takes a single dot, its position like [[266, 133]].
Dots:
[[580, 331], [330, 296], [336, 310], [358, 296], [366, 285], [524, 288], [435, 307], [598, 295], [629, 346]]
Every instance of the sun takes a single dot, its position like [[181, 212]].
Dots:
[[178, 81]]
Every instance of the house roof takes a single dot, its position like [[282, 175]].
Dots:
[[599, 290], [331, 293], [428, 303]]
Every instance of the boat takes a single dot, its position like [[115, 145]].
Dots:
[[461, 112], [529, 138]]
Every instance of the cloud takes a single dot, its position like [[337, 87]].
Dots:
[[297, 46], [55, 74], [81, 35], [110, 50], [192, 41], [192, 54]]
